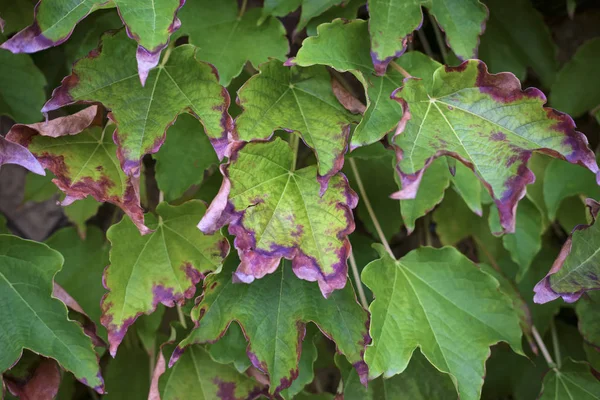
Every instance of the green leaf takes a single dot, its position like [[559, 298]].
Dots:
[[148, 327], [573, 381], [563, 180], [306, 372], [273, 312], [436, 299], [573, 91], [299, 100], [231, 349], [38, 321], [344, 46], [276, 213], [161, 267], [466, 184], [228, 41], [347, 10], [180, 84], [16, 15], [183, 158], [81, 275], [576, 269], [310, 9], [39, 188], [488, 123], [512, 30], [127, 375], [392, 21], [588, 313], [3, 227], [80, 211]]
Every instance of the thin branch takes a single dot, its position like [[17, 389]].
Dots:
[[555, 344], [542, 346], [439, 38], [295, 141], [425, 43], [359, 286], [400, 69], [365, 198], [243, 8]]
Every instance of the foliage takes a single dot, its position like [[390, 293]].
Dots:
[[388, 209]]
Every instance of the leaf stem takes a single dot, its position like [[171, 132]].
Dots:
[[439, 38], [542, 346], [181, 317], [425, 43], [555, 344], [295, 142], [359, 286], [243, 8], [400, 69], [365, 198]]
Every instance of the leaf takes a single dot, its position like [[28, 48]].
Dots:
[[13, 153], [82, 156], [563, 180], [573, 381], [285, 304], [392, 21], [276, 213], [573, 91], [27, 271], [466, 184], [21, 88], [506, 45], [143, 114], [485, 121], [125, 376], [346, 10], [3, 227], [162, 267], [42, 384], [299, 100], [437, 300], [310, 9], [183, 158], [150, 24], [80, 211], [344, 46], [575, 270], [228, 41], [81, 275], [16, 15], [306, 373], [39, 188], [588, 314], [231, 349], [148, 329]]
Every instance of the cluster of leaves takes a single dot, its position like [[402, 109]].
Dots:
[[450, 262]]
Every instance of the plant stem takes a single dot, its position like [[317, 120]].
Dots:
[[295, 141], [365, 198], [400, 69], [359, 286], [243, 8], [542, 346], [425, 43], [181, 317], [439, 38], [555, 344]]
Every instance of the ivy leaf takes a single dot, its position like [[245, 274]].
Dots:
[[436, 299], [14, 153], [344, 46], [392, 21], [80, 211], [286, 304], [143, 114], [82, 156], [588, 314], [310, 9], [573, 381], [466, 184], [484, 121], [346, 10], [299, 100], [228, 41], [231, 349], [306, 373], [150, 24], [27, 271], [175, 257], [16, 15], [512, 26], [276, 212], [124, 376], [575, 270], [572, 92], [183, 158]]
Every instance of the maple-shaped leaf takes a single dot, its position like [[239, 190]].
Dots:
[[577, 268], [39, 321], [273, 313], [142, 114], [344, 46], [309, 9], [150, 24], [162, 267], [227, 40], [392, 21], [439, 301], [276, 212], [82, 156], [299, 100], [573, 381], [489, 124]]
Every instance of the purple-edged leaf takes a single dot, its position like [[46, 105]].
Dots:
[[577, 268], [162, 267], [489, 124], [82, 156], [38, 321], [299, 100], [149, 23], [392, 21], [13, 153], [142, 114], [276, 213], [273, 313]]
